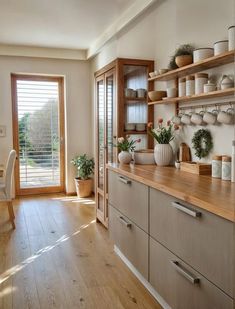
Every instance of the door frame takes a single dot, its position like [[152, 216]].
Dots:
[[15, 126]]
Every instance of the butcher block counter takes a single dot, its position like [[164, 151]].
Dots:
[[213, 195]]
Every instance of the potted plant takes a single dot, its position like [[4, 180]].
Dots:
[[85, 168], [125, 145], [182, 56], [163, 135]]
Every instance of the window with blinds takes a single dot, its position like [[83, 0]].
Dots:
[[38, 133]]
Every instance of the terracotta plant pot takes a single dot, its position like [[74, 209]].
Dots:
[[183, 60], [83, 187]]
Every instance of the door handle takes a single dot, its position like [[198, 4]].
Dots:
[[190, 277], [124, 221], [124, 180], [187, 210]]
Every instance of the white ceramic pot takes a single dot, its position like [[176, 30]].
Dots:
[[226, 82], [163, 154], [145, 156], [209, 87], [220, 47], [124, 157], [128, 92], [171, 92], [231, 38], [130, 126], [141, 93], [202, 53]]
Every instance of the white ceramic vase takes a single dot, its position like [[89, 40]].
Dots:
[[163, 154], [124, 157]]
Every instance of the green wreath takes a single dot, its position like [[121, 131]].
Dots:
[[202, 143]]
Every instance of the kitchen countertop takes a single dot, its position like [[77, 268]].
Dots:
[[213, 195]]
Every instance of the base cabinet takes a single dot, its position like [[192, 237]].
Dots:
[[180, 285]]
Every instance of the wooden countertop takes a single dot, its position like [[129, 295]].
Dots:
[[213, 195]]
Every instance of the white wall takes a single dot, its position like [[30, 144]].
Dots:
[[161, 29], [77, 103]]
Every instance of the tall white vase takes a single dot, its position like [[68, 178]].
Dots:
[[163, 154], [124, 157]]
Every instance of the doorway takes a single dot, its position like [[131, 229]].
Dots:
[[38, 133]]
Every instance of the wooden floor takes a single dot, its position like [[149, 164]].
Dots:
[[59, 257]]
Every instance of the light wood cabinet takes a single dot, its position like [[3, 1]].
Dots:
[[113, 111]]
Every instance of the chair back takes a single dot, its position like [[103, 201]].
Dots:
[[9, 173]]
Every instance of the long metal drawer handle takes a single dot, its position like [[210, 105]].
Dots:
[[124, 180], [188, 211], [190, 277], [125, 222]]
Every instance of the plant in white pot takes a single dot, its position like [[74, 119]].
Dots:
[[163, 152], [126, 145], [85, 168]]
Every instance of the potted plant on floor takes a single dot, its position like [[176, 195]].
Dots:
[[163, 152], [85, 168]]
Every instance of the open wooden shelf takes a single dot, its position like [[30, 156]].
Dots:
[[203, 65], [135, 132], [209, 95]]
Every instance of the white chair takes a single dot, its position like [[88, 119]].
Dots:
[[6, 186]]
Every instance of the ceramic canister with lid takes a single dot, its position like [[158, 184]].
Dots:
[[200, 80], [190, 85], [220, 47], [217, 166], [226, 168], [182, 87], [231, 38]]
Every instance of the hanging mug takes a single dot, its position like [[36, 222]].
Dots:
[[210, 117], [226, 117], [177, 119], [186, 119], [197, 118]]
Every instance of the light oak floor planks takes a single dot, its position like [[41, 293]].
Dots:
[[59, 257]]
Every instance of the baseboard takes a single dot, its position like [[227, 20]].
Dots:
[[146, 284]]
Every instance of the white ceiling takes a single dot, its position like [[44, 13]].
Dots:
[[72, 24]]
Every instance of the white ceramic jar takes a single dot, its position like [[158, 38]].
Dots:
[[202, 53], [226, 168], [200, 80], [190, 85], [209, 87], [220, 47], [182, 87], [231, 38], [217, 167]]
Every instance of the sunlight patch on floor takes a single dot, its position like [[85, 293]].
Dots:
[[8, 290], [15, 269], [75, 199]]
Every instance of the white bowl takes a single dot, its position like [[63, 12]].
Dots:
[[145, 156], [130, 126], [140, 127], [202, 53]]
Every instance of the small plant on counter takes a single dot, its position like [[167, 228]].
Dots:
[[127, 144], [162, 134], [182, 50]]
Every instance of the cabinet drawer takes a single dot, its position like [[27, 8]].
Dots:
[[180, 285], [201, 239], [130, 239], [130, 198]]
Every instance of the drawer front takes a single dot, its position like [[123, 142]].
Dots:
[[130, 239], [130, 198], [180, 285], [201, 239]]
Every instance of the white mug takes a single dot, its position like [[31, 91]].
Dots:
[[177, 119], [225, 117], [210, 117], [186, 119], [171, 92], [197, 118]]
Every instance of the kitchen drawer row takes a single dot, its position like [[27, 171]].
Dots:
[[184, 252]]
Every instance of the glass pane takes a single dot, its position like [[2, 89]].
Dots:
[[101, 119], [39, 136], [100, 203], [109, 129]]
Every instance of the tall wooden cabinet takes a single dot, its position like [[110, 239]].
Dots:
[[114, 111]]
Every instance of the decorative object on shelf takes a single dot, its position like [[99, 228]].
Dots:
[[216, 166], [128, 92], [184, 153], [141, 93], [231, 38], [126, 145], [144, 156], [200, 80], [182, 87], [233, 162], [162, 71], [202, 53], [209, 87], [220, 47], [85, 168], [226, 82], [196, 168], [182, 56], [171, 92], [202, 143], [226, 117], [130, 126], [152, 74], [177, 164], [210, 117], [226, 168], [190, 85], [140, 127], [186, 119], [163, 135], [156, 95], [197, 118]]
